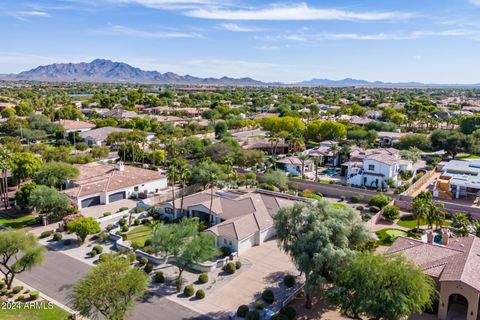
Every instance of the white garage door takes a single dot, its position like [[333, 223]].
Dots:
[[267, 234], [246, 244]]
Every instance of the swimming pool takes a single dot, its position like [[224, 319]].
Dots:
[[330, 172]]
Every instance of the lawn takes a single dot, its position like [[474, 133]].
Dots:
[[387, 236], [16, 222], [410, 222], [139, 234], [55, 313], [468, 156]]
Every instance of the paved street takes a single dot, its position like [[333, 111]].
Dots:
[[59, 271]]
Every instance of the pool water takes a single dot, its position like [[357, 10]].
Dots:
[[437, 239], [330, 172]]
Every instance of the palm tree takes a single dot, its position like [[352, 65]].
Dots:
[[436, 215], [274, 139], [421, 206], [5, 156], [154, 146], [345, 152], [317, 160], [183, 174], [334, 149], [213, 182], [303, 158], [172, 172]]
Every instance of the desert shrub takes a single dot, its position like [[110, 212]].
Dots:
[[289, 312], [259, 304], [34, 295], [148, 242], [242, 311], [342, 198], [148, 268], [137, 222], [4, 291], [109, 227], [21, 298], [374, 209], [122, 222], [360, 208], [45, 234], [125, 228], [391, 213], [203, 277], [159, 277], [106, 214], [93, 253], [253, 315], [366, 217], [17, 289], [67, 242], [200, 294], [57, 236], [188, 291], [238, 264], [145, 221], [230, 268], [379, 200], [122, 209], [225, 251], [289, 280], [268, 296], [356, 198], [98, 248], [131, 257], [142, 261]]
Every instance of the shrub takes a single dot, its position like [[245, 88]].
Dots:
[[142, 261], [122, 222], [4, 291], [279, 316], [17, 289], [342, 198], [2, 285], [268, 296], [379, 200], [148, 243], [238, 264], [148, 268], [98, 248], [200, 294], [131, 257], [225, 251], [242, 311], [259, 304], [159, 277], [188, 291], [109, 227], [45, 234], [289, 312], [360, 208], [57, 236], [137, 222], [391, 213], [20, 298], [145, 221], [374, 209], [366, 217], [34, 295], [93, 253], [106, 214], [289, 280], [253, 315], [67, 242], [122, 209], [203, 277], [125, 228], [356, 198], [230, 268]]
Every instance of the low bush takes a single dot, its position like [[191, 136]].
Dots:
[[360, 208], [122, 222], [159, 277], [253, 315], [279, 316], [203, 277], [136, 222], [289, 281], [145, 221], [268, 296], [379, 200], [106, 214], [4, 291], [122, 209], [125, 228], [342, 198], [200, 294], [67, 242], [148, 268], [93, 253], [238, 264], [289, 312], [148, 243], [98, 248], [34, 295], [188, 291], [390, 213], [17, 289], [21, 298], [142, 261], [57, 236], [45, 234], [259, 304], [374, 209], [109, 227], [230, 268], [225, 251], [356, 198], [242, 311]]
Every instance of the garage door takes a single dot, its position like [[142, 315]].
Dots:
[[246, 244], [116, 196], [93, 201]]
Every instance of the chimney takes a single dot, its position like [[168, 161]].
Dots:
[[429, 236], [445, 236], [120, 166]]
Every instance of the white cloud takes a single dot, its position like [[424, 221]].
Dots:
[[475, 2], [32, 14], [119, 30], [236, 28], [173, 4], [301, 11]]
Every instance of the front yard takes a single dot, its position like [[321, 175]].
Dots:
[[140, 234], [43, 313], [17, 222]]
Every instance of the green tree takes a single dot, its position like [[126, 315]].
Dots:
[[5, 165], [19, 251], [202, 172], [276, 178], [320, 239], [48, 200], [381, 287], [421, 206], [99, 152], [22, 196], [416, 140], [24, 165], [221, 129], [109, 289], [84, 226], [55, 174]]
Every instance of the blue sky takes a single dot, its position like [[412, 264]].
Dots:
[[435, 41]]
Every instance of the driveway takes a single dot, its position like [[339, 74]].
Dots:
[[59, 272], [268, 267], [97, 211]]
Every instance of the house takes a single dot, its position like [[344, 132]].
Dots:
[[75, 126], [266, 145], [101, 183], [98, 137], [454, 265], [389, 139], [325, 151], [459, 179], [239, 219], [293, 165], [376, 168], [4, 105], [120, 113]]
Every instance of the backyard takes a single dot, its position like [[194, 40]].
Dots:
[[387, 236], [409, 221], [17, 222]]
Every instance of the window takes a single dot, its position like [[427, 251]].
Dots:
[[225, 241], [371, 167], [169, 210], [135, 189], [230, 242]]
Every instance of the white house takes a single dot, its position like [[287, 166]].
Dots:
[[293, 165], [101, 183], [374, 168], [238, 219], [459, 179]]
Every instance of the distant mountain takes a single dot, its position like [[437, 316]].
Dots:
[[101, 70], [348, 82]]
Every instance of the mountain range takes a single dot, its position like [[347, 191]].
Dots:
[[102, 70]]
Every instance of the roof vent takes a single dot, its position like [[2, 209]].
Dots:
[[120, 166]]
